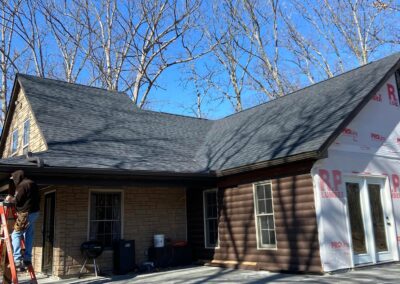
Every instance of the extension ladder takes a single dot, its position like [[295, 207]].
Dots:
[[10, 276]]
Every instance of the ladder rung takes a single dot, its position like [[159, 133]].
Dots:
[[5, 237]]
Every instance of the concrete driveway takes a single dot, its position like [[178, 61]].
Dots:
[[388, 273]]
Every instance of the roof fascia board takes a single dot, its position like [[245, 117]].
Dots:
[[159, 175], [9, 114], [324, 148], [102, 172], [265, 164]]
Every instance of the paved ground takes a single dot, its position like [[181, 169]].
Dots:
[[388, 273]]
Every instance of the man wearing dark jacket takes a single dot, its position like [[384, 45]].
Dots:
[[27, 202]]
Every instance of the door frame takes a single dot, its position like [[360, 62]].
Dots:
[[53, 192], [383, 180]]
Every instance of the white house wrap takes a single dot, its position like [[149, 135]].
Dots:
[[364, 158]]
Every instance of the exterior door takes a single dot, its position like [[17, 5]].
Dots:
[[370, 220], [48, 232]]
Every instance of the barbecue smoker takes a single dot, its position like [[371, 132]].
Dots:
[[91, 250]]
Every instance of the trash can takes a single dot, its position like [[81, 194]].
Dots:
[[124, 256]]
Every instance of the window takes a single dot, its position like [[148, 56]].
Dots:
[[14, 142], [210, 218], [264, 214], [105, 217], [25, 139]]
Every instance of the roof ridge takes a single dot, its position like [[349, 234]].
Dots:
[[309, 86], [111, 91], [175, 114], [69, 83]]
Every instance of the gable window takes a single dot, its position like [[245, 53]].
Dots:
[[264, 214], [105, 217], [14, 141], [210, 203], [25, 139]]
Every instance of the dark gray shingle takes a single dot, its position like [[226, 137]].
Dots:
[[94, 128]]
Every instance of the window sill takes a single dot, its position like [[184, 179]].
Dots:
[[267, 248], [212, 247]]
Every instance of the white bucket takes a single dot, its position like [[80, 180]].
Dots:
[[159, 241]]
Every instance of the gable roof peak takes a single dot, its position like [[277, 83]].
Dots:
[[395, 57], [108, 132], [63, 82]]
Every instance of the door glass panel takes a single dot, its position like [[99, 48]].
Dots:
[[378, 220], [356, 220]]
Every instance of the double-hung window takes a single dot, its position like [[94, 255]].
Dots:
[[25, 138], [105, 217], [264, 214], [14, 141], [210, 200]]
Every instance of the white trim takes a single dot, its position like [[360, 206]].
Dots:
[[348, 225], [23, 133], [12, 142], [362, 175], [122, 208], [255, 204], [204, 219], [389, 202]]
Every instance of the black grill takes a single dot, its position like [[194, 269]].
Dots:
[[92, 249]]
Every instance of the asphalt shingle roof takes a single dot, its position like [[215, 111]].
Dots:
[[296, 123], [94, 128]]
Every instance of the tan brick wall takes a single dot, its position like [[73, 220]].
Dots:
[[38, 239], [146, 211], [22, 112]]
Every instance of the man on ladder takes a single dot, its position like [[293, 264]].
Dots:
[[27, 202]]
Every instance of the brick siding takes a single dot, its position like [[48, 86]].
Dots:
[[146, 211]]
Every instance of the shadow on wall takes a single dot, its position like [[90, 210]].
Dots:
[[295, 226]]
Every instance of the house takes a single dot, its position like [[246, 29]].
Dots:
[[305, 183]]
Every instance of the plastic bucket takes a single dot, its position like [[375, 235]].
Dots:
[[159, 241]]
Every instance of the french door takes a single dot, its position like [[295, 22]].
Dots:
[[371, 220]]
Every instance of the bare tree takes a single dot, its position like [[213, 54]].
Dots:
[[250, 51], [333, 34], [29, 28], [170, 26], [68, 30], [198, 81], [129, 44], [260, 22], [390, 11], [230, 76], [8, 54]]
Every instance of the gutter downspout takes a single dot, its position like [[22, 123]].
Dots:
[[38, 161]]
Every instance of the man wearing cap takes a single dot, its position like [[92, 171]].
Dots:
[[27, 202]]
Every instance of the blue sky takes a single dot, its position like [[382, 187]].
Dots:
[[178, 96]]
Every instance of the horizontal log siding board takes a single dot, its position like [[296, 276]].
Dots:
[[295, 221]]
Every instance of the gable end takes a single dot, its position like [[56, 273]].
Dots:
[[324, 148], [19, 111]]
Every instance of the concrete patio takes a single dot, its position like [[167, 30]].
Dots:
[[386, 273]]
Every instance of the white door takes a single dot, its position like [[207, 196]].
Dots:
[[370, 220]]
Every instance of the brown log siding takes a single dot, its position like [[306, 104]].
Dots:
[[295, 221]]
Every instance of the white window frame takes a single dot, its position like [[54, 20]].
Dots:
[[25, 145], [256, 215], [122, 208], [206, 245], [12, 142]]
